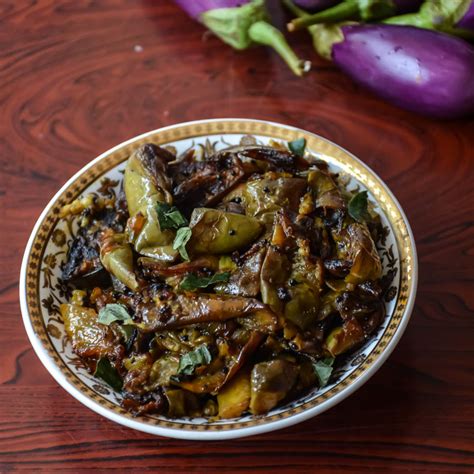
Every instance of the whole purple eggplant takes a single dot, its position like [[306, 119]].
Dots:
[[241, 23], [452, 16], [365, 10], [425, 71]]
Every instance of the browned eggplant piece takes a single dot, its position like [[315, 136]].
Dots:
[[153, 268], [263, 197], [146, 184], [270, 383], [274, 158], [143, 404], [234, 397], [223, 368], [184, 309], [218, 232], [329, 200], [89, 338], [343, 338], [83, 267], [117, 257], [273, 277], [204, 183], [356, 245], [138, 372], [364, 304], [304, 287], [337, 267], [181, 403], [245, 280]]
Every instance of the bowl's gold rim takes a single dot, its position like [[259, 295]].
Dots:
[[120, 153]]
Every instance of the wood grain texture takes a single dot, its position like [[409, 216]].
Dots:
[[79, 77]]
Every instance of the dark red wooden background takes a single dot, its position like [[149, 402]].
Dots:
[[77, 77]]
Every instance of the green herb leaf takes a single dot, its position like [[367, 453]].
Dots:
[[182, 237], [108, 374], [191, 281], [114, 312], [297, 146], [126, 330], [323, 369], [358, 207], [170, 217], [193, 359]]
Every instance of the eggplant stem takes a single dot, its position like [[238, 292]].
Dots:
[[341, 12], [263, 33], [297, 11], [409, 19]]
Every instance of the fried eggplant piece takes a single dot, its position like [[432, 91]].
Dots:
[[218, 232], [178, 310], [117, 258], [146, 184], [270, 383]]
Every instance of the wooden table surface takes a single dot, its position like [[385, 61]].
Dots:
[[76, 78]]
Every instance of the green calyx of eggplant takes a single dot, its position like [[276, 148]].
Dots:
[[240, 27], [324, 35], [439, 15]]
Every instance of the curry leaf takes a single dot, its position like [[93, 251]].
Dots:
[[193, 359], [169, 217], [129, 333], [182, 237], [191, 281], [358, 207], [323, 369], [297, 146], [105, 371], [113, 312]]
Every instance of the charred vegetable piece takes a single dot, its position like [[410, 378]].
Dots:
[[146, 185], [218, 232], [83, 267], [203, 183], [181, 310], [154, 268], [245, 279], [117, 258], [270, 383]]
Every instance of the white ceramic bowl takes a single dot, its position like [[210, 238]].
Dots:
[[41, 290]]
